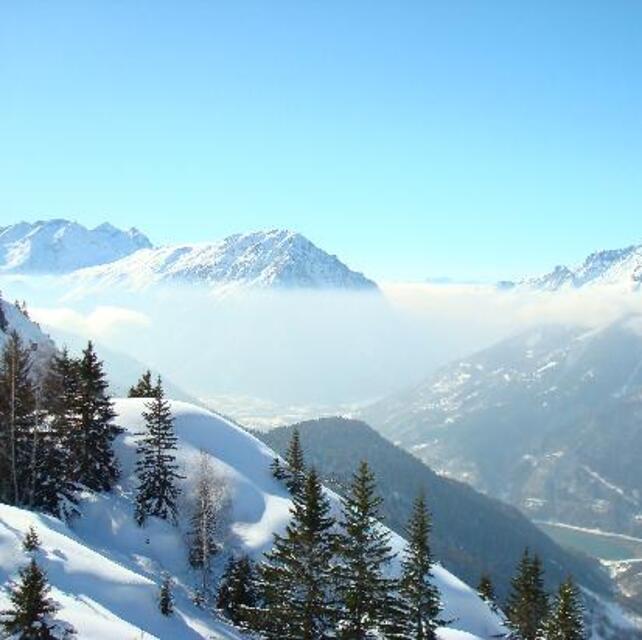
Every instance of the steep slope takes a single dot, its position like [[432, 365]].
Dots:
[[614, 267], [110, 566], [270, 259], [550, 421], [472, 533], [61, 246]]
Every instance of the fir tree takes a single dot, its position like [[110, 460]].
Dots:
[[237, 594], [486, 591], [96, 465], [17, 421], [295, 474], [420, 600], [364, 552], [202, 543], [32, 614], [144, 388], [156, 467], [294, 581], [566, 621], [165, 596], [527, 602], [55, 488], [278, 470], [31, 540]]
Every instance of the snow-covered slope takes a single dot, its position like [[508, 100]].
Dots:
[[263, 259], [615, 267], [106, 571], [60, 246]]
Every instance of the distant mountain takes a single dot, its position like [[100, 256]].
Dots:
[[615, 267], [61, 246], [264, 259], [472, 533], [549, 421]]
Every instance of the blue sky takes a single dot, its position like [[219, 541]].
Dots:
[[476, 139]]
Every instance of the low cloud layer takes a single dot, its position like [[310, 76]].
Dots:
[[304, 347]]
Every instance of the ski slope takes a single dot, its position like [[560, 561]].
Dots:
[[105, 570]]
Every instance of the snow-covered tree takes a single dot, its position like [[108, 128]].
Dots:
[[31, 540], [486, 590], [364, 553], [32, 614], [144, 388], [156, 466], [203, 521], [419, 602], [165, 596], [96, 466], [566, 620], [295, 579], [237, 592]]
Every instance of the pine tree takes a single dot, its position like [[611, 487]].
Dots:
[[420, 600], [486, 591], [202, 542], [278, 470], [295, 474], [55, 487], [165, 596], [31, 540], [144, 388], [17, 421], [96, 465], [32, 614], [527, 602], [294, 580], [566, 621], [156, 466], [237, 594], [364, 552]]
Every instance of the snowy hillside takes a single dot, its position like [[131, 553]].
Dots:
[[264, 259], [106, 571], [60, 246], [616, 267]]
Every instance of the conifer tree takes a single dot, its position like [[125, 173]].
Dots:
[[32, 614], [31, 540], [156, 466], [420, 600], [55, 487], [486, 591], [528, 601], [294, 581], [165, 596], [202, 542], [144, 388], [17, 421], [278, 470], [566, 620], [237, 593], [295, 474], [364, 552], [96, 465]]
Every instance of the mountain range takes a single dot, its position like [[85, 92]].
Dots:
[[614, 267], [105, 256], [549, 420]]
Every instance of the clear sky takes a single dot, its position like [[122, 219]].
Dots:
[[476, 139]]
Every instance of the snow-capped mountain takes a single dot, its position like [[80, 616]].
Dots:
[[550, 421], [61, 246], [263, 259], [106, 571], [615, 267]]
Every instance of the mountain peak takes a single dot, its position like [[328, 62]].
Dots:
[[60, 246]]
